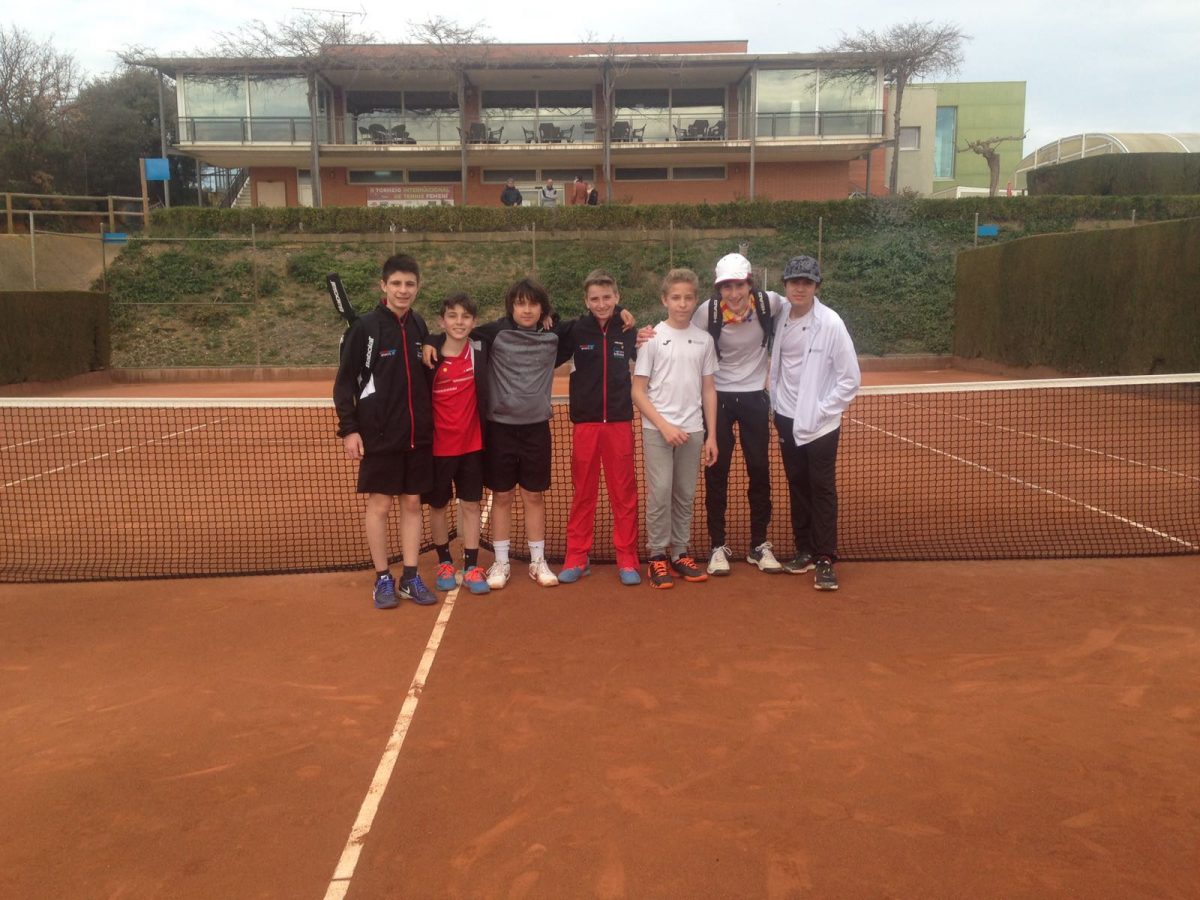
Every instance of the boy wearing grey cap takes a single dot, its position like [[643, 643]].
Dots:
[[814, 376]]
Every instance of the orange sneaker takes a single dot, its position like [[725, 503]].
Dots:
[[660, 575], [685, 567]]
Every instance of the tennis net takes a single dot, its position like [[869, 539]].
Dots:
[[114, 489]]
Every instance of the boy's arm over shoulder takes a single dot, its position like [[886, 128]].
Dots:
[[488, 331]]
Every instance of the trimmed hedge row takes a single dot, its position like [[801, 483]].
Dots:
[[1121, 174], [49, 335], [783, 214], [1115, 302]]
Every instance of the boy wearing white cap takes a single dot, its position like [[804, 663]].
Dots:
[[740, 319], [814, 376]]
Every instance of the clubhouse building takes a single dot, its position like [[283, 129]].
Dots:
[[656, 122]]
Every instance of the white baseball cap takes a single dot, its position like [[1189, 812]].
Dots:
[[732, 267]]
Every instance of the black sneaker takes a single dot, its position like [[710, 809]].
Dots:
[[800, 563], [824, 579], [685, 567], [660, 575]]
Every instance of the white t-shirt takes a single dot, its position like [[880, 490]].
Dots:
[[744, 358], [675, 360], [793, 337]]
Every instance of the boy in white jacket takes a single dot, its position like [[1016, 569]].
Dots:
[[814, 376]]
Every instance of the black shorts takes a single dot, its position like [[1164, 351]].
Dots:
[[410, 472], [517, 454], [461, 476]]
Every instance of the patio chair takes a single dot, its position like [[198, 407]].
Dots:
[[399, 134], [477, 133], [567, 134], [530, 136], [496, 135], [638, 134], [379, 134], [364, 135], [620, 132], [682, 134], [717, 132], [698, 129], [548, 133]]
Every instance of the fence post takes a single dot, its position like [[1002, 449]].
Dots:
[[1133, 216], [976, 229], [112, 215], [145, 198], [254, 294], [32, 252], [103, 262], [8, 211]]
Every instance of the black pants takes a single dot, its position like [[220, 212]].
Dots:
[[751, 411], [812, 489]]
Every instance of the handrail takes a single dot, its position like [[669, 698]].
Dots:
[[235, 187]]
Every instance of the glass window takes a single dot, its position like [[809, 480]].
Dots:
[[846, 91], [384, 176], [698, 173], [643, 174], [374, 101], [214, 108], [278, 97], [566, 176], [647, 110], [438, 176], [787, 99], [698, 97], [910, 137], [499, 176], [944, 138], [431, 116]]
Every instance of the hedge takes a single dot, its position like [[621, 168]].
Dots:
[[784, 214], [50, 335], [1115, 302], [1121, 174]]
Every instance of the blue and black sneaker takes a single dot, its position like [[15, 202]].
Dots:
[[414, 589], [385, 593]]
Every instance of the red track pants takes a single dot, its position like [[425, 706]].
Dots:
[[592, 444]]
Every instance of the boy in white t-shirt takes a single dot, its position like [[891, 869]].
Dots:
[[674, 391]]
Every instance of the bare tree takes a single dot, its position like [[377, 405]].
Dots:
[[455, 47], [907, 52], [613, 65], [987, 149], [37, 85]]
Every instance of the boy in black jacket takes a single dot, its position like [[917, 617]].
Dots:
[[385, 420], [602, 413]]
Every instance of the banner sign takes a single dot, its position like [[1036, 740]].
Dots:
[[158, 170], [410, 195]]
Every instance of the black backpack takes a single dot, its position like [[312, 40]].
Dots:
[[762, 310]]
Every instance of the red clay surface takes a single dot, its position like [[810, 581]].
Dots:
[[954, 730]]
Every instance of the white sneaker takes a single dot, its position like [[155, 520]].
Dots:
[[718, 563], [497, 575], [540, 572], [762, 557]]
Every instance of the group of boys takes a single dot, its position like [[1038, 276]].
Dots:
[[479, 415]]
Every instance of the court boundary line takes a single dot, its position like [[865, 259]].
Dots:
[[347, 863], [990, 470], [83, 462], [61, 434]]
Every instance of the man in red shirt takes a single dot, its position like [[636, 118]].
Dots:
[[459, 384], [579, 192]]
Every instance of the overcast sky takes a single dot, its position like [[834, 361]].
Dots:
[[1097, 65]]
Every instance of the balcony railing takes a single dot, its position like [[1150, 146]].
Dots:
[[400, 128], [250, 130], [834, 123]]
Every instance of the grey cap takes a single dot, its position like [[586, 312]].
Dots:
[[802, 267]]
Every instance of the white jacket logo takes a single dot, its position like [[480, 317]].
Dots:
[[370, 348]]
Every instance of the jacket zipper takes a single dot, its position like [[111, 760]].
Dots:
[[412, 419], [604, 372]]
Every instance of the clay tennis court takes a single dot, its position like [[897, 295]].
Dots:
[[935, 729]]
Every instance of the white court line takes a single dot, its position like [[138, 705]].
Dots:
[[340, 883], [51, 437], [1049, 440], [1029, 484], [98, 456]]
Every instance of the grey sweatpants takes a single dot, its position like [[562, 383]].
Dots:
[[671, 474]]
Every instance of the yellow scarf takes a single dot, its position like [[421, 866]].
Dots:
[[729, 317]]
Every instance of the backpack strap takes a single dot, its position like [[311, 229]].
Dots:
[[715, 322], [762, 309]]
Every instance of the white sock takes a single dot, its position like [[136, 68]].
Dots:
[[500, 551], [537, 550]]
